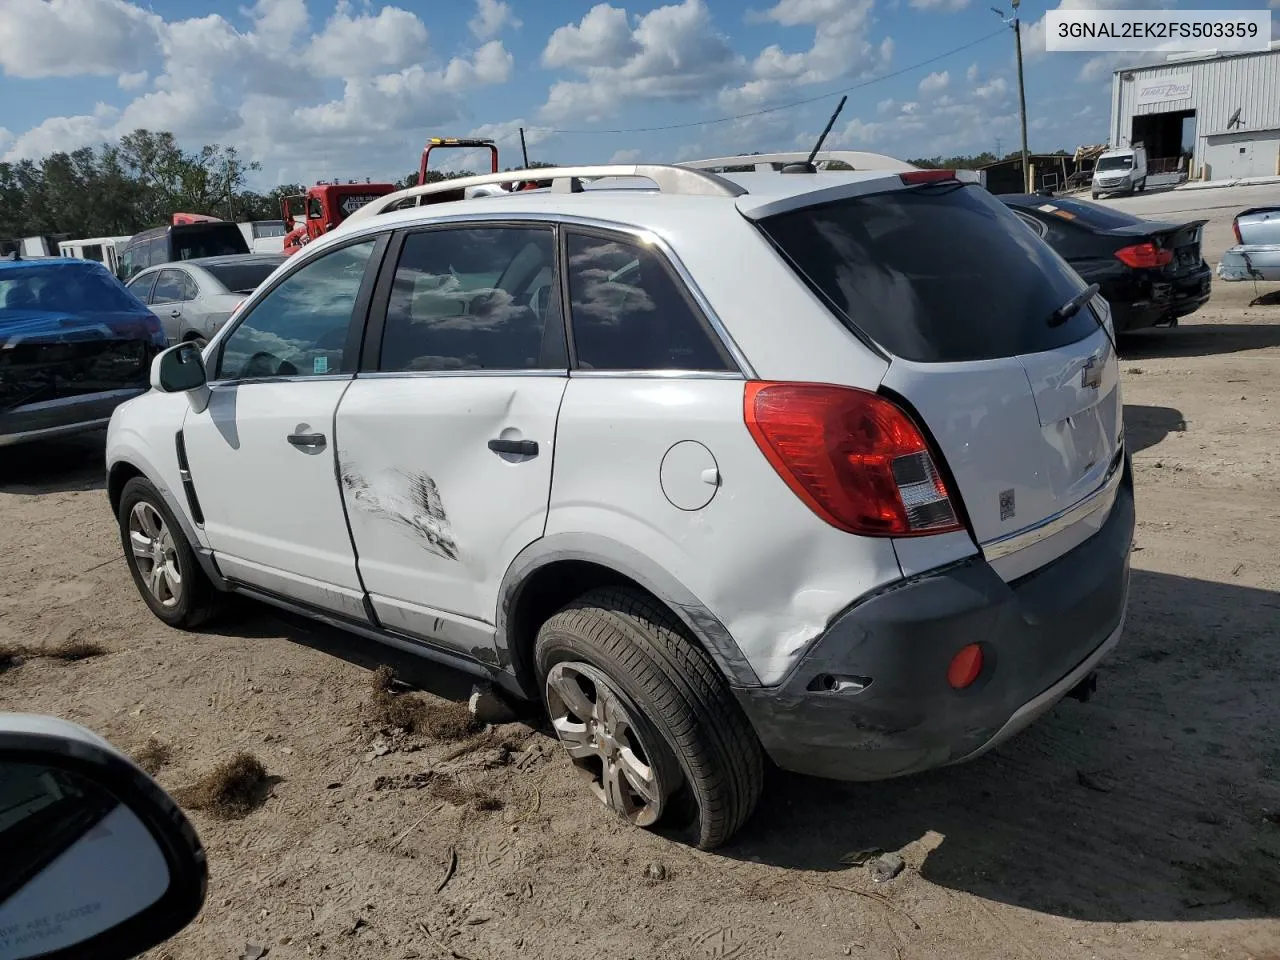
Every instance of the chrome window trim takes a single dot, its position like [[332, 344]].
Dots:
[[1101, 498], [647, 374], [299, 378], [556, 372]]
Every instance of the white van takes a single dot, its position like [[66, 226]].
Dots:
[[106, 250], [1123, 170]]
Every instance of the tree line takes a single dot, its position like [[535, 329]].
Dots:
[[119, 189]]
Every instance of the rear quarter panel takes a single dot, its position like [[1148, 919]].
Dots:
[[754, 555]]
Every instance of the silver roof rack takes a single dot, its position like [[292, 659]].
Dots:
[[766, 162], [668, 178]]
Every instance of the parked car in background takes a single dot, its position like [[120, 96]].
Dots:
[[1256, 255], [1149, 271], [195, 297], [1123, 170], [180, 241], [74, 344], [826, 466]]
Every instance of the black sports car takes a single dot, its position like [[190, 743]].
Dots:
[[1150, 272]]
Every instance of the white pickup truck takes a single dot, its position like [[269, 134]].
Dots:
[[1256, 255]]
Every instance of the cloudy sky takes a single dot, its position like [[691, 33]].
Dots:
[[318, 88]]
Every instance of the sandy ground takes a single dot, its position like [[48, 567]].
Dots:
[[1134, 825]]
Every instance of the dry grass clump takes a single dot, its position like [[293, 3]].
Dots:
[[231, 790]]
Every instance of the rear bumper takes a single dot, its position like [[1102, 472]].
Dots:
[[1144, 301], [1258, 261], [1040, 636], [54, 418]]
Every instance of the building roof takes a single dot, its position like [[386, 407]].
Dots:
[[1178, 59]]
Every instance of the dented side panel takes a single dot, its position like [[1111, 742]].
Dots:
[[754, 555], [436, 515]]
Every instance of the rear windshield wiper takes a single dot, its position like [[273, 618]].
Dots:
[[1072, 306]]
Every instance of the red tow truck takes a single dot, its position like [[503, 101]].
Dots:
[[314, 213]]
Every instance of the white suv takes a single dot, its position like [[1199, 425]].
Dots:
[[823, 466]]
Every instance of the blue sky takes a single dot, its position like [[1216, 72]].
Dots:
[[318, 88]]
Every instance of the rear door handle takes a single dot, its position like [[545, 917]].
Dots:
[[525, 448], [312, 441]]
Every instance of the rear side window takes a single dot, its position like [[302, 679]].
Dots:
[[169, 288], [157, 251], [474, 299], [629, 313], [934, 273]]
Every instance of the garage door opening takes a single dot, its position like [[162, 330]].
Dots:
[[1169, 138]]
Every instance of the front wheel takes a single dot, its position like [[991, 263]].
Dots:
[[163, 565], [647, 718]]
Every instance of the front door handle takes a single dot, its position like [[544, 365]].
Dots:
[[175, 314], [311, 441], [524, 448]]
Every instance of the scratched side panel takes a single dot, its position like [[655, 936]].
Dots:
[[436, 516], [755, 556]]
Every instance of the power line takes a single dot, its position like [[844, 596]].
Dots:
[[784, 106]]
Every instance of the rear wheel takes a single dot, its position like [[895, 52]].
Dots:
[[1142, 187], [161, 561], [1095, 194], [646, 717]]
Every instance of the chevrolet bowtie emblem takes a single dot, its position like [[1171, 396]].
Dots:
[[1091, 374]]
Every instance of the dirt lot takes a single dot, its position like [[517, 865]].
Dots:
[[1135, 825]]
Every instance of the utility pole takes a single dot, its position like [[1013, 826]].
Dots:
[[1016, 25], [999, 149]]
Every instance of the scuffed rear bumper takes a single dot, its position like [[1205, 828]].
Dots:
[[1040, 635], [1258, 261]]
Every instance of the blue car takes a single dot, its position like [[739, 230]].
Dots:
[[74, 345]]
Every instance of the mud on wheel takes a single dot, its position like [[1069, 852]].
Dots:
[[646, 717]]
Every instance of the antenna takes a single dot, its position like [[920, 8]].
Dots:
[[523, 150], [807, 166]]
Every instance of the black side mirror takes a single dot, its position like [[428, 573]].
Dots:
[[179, 369], [98, 860]]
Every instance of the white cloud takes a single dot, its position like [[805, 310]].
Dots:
[[625, 156], [492, 16], [603, 37], [935, 83], [364, 45], [993, 89], [132, 81], [841, 47], [60, 133], [277, 23], [65, 38], [672, 54], [884, 106], [972, 73]]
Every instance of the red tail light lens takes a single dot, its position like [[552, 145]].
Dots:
[[853, 457], [1235, 228], [1144, 255]]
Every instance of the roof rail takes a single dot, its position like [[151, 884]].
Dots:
[[856, 159], [668, 178]]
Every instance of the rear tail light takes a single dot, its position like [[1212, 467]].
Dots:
[[1235, 228], [1144, 255], [853, 457]]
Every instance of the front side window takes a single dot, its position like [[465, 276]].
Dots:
[[628, 312], [300, 328], [479, 298]]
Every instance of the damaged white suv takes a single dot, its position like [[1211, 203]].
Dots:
[[821, 466]]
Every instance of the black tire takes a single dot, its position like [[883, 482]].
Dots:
[[198, 599], [1095, 194], [643, 650]]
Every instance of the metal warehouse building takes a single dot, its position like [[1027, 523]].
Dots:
[[1216, 116]]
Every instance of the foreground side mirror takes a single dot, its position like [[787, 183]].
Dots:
[[180, 369], [98, 860]]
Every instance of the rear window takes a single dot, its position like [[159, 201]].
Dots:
[[1084, 213], [64, 289], [242, 277], [207, 240], [934, 273]]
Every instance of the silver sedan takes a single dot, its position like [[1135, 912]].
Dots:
[[193, 298]]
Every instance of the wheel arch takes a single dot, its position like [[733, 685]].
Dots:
[[553, 571]]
